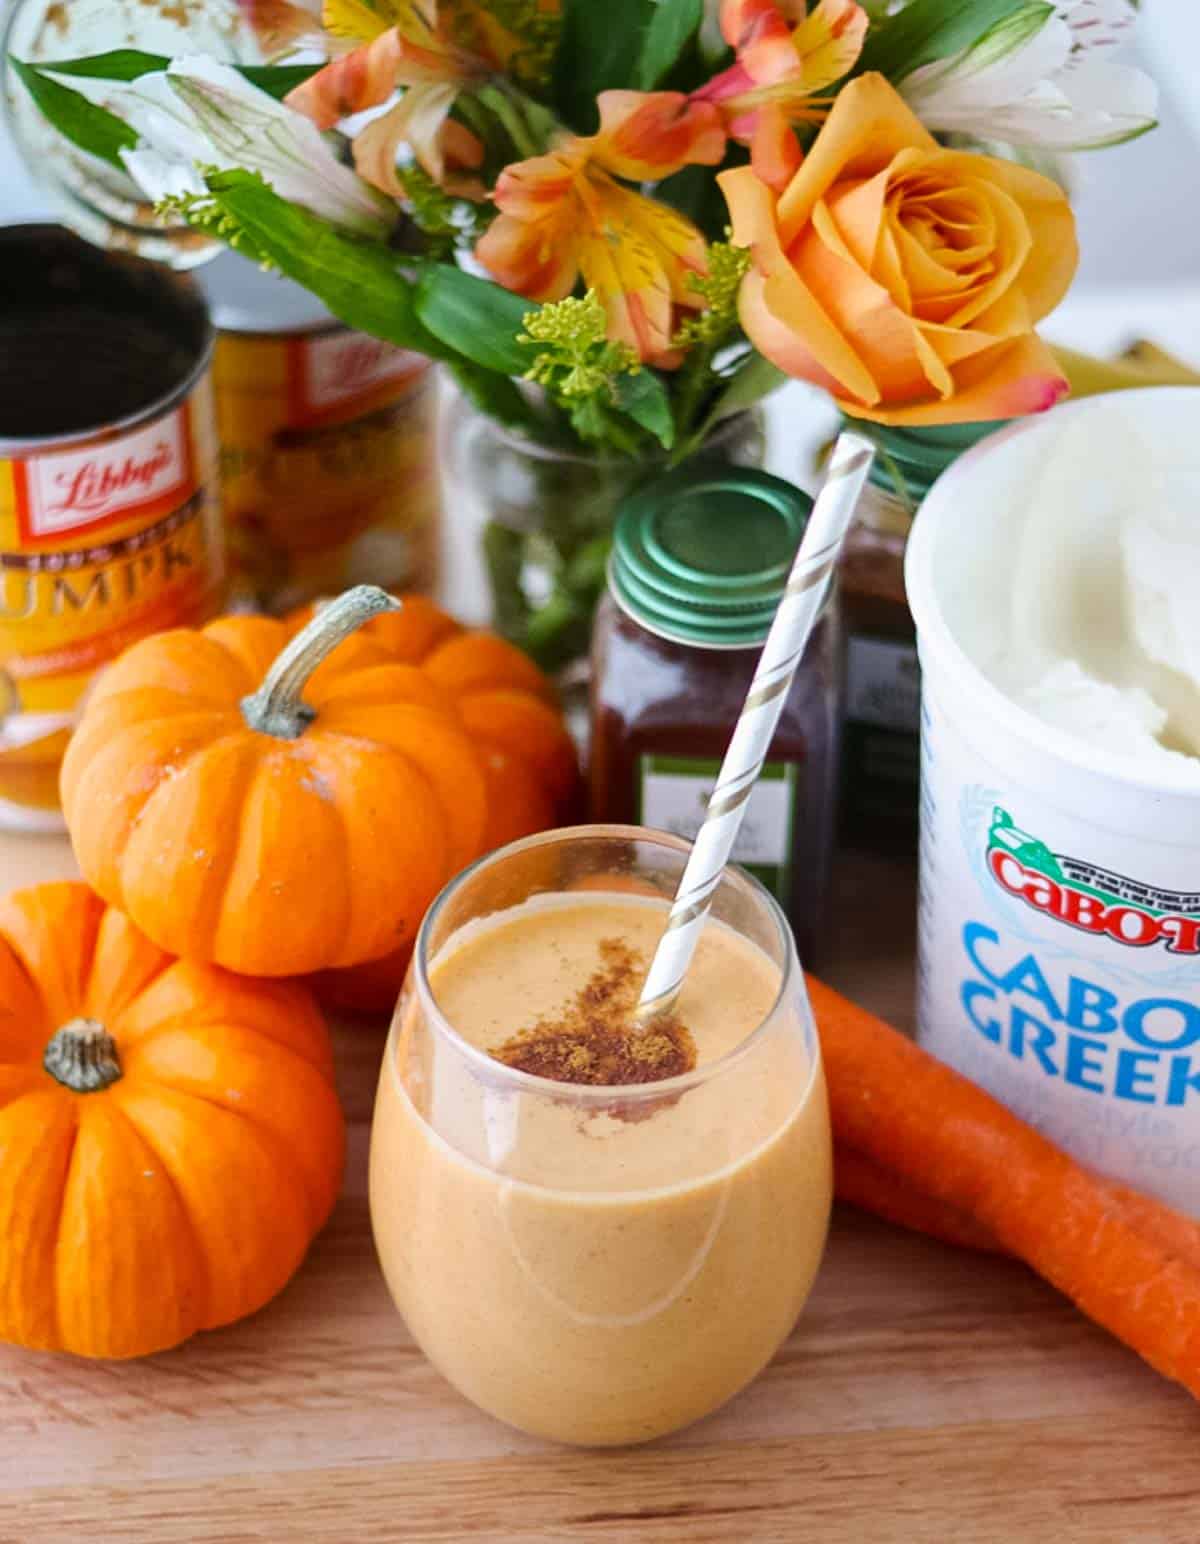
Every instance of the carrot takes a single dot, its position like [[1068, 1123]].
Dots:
[[945, 1137], [862, 1182], [868, 1185], [1171, 1230]]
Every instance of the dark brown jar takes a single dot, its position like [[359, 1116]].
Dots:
[[700, 561], [881, 769]]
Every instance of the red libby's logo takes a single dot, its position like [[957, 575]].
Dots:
[[334, 368], [75, 490]]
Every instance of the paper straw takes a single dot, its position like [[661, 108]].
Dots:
[[807, 586]]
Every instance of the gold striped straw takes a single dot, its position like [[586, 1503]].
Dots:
[[807, 586]]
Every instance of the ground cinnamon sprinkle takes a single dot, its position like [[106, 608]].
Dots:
[[593, 1040]]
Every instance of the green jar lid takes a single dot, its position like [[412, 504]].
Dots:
[[922, 455], [702, 556]]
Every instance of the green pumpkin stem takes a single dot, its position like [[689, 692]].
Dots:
[[277, 707], [82, 1056]]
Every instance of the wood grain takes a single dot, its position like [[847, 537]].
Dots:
[[928, 1396]]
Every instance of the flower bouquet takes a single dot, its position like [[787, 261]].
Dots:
[[620, 223]]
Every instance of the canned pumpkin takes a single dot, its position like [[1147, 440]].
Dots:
[[109, 509]]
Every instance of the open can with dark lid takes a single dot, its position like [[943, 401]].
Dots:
[[110, 521]]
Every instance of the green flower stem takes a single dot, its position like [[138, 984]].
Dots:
[[469, 109], [502, 101], [695, 380]]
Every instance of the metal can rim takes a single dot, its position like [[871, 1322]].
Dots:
[[33, 445]]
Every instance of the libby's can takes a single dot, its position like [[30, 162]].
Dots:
[[328, 446], [110, 524]]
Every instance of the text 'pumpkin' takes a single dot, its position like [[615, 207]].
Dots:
[[170, 1136], [283, 798]]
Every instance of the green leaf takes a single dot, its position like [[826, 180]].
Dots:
[[117, 64], [278, 79], [92, 128], [127, 64], [643, 397], [928, 30], [672, 27], [558, 630], [475, 317], [361, 282], [599, 48]]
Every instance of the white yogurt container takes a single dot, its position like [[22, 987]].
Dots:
[[1060, 883]]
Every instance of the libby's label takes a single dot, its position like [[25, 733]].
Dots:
[[673, 795], [61, 492], [99, 546], [328, 464], [331, 369], [1060, 962]]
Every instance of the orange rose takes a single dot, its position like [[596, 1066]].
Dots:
[[904, 278]]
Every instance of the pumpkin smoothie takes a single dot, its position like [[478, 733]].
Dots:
[[598, 1264]]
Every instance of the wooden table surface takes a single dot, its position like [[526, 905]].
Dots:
[[926, 1395]]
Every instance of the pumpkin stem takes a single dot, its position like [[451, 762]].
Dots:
[[82, 1056], [277, 707]]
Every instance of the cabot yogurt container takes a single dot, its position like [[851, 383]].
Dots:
[[1060, 877]]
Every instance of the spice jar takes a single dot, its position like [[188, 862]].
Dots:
[[882, 731], [700, 561]]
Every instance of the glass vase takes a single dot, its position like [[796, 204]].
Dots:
[[529, 526]]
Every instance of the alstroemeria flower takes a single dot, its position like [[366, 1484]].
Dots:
[[281, 26], [431, 50], [200, 113], [564, 214], [904, 278], [786, 56], [1041, 79]]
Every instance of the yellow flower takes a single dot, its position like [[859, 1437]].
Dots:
[[564, 214], [430, 49], [786, 56]]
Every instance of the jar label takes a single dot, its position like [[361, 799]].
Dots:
[[673, 795], [883, 684], [881, 741], [332, 369]]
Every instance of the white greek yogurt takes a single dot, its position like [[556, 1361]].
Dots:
[[1054, 573], [1101, 635]]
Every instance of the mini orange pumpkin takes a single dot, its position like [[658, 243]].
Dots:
[[170, 1137], [307, 822], [507, 707]]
